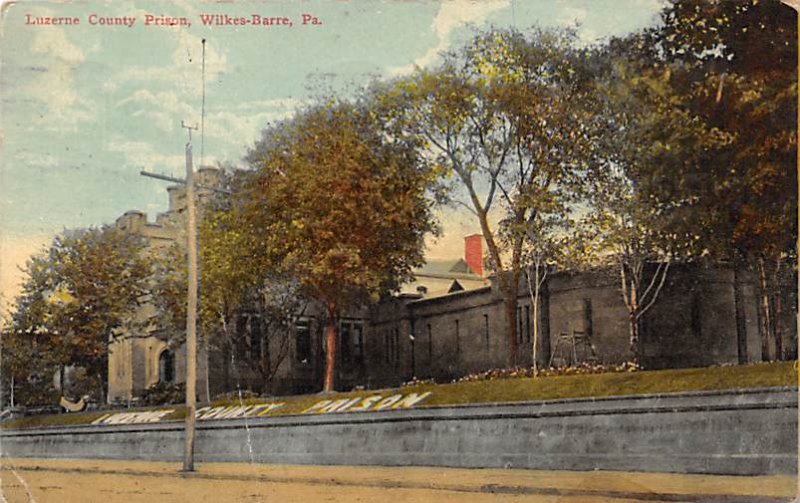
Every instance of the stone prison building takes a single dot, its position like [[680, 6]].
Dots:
[[450, 322]]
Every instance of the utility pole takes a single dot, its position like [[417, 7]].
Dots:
[[191, 310], [191, 303]]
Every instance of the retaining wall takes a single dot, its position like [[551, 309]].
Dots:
[[744, 433]]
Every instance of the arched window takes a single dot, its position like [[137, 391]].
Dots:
[[166, 366]]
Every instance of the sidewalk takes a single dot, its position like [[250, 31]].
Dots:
[[49, 480]]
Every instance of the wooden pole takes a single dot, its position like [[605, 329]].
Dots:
[[191, 315]]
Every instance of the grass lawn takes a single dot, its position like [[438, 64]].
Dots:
[[761, 375]]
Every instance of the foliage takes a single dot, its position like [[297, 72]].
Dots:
[[237, 278], [735, 64], [648, 134], [78, 295], [168, 293], [164, 393], [340, 205], [580, 369], [505, 119]]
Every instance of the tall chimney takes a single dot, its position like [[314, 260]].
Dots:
[[473, 253]]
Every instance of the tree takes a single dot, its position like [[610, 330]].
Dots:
[[648, 132], [547, 247], [340, 204], [237, 277], [506, 118], [736, 65], [78, 296]]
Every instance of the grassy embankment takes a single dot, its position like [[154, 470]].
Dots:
[[760, 375]]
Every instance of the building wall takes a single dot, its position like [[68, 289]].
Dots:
[[694, 322], [134, 358]]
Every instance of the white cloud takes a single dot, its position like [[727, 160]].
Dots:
[[452, 14], [575, 17], [54, 44], [235, 127], [55, 87], [34, 159], [164, 109], [244, 126], [184, 68], [572, 16], [142, 155]]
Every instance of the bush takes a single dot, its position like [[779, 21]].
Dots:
[[582, 368], [236, 395], [164, 393]]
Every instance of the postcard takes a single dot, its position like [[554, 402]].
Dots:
[[435, 250]]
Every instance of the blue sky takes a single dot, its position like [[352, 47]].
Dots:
[[85, 107]]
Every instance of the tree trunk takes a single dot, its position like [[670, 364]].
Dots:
[[544, 299], [510, 303], [766, 315], [535, 354], [535, 295], [207, 383], [778, 326], [330, 344], [741, 325], [103, 392], [266, 358], [634, 336], [777, 301]]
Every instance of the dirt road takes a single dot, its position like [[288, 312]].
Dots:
[[89, 481]]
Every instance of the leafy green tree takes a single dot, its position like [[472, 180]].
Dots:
[[80, 294], [506, 120], [339, 204], [237, 277], [648, 130], [735, 64], [547, 247]]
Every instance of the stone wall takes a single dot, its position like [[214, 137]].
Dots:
[[692, 323], [746, 432]]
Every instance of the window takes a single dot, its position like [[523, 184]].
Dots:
[[528, 323], [430, 344], [588, 328], [166, 366], [358, 342], [241, 338], [256, 337], [458, 338], [302, 330], [695, 321], [351, 340], [344, 342], [520, 326], [396, 345], [486, 329]]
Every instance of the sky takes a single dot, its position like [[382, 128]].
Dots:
[[85, 107]]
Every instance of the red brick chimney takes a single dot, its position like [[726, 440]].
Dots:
[[473, 253]]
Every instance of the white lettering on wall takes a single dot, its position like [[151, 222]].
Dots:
[[369, 403]]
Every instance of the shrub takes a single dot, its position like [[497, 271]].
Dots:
[[580, 369], [164, 393]]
